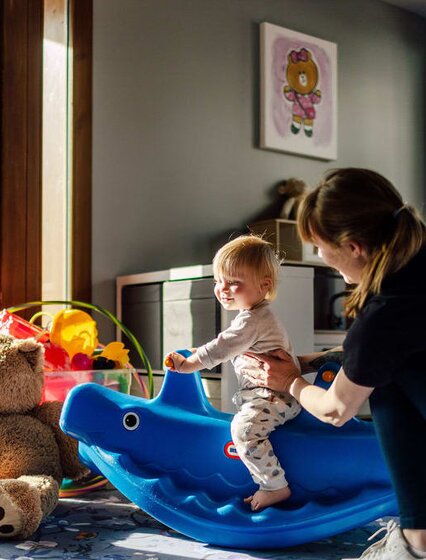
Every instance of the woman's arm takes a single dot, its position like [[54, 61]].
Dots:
[[336, 405], [312, 362], [279, 366]]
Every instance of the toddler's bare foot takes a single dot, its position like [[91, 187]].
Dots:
[[264, 498]]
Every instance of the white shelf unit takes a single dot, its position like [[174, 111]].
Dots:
[[283, 234]]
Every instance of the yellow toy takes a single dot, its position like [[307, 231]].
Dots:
[[75, 331]]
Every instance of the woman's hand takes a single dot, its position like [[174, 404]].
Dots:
[[276, 370]]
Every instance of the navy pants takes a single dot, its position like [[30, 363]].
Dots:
[[399, 413]]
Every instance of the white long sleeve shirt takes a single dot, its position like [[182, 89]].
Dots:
[[255, 330]]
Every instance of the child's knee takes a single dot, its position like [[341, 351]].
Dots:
[[244, 433], [237, 429]]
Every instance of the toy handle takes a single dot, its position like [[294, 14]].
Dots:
[[326, 374], [168, 362]]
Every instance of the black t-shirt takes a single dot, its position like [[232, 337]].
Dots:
[[388, 337]]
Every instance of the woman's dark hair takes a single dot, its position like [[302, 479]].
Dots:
[[360, 205]]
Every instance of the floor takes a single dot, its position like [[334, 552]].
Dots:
[[103, 524]]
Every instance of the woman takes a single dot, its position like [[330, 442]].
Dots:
[[363, 229]]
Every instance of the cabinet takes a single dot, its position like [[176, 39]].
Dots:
[[191, 316], [176, 308], [141, 306]]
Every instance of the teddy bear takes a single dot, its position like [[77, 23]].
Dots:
[[291, 193], [34, 452], [302, 77]]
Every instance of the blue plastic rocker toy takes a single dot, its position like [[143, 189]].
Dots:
[[173, 457]]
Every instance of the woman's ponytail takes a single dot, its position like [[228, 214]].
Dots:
[[408, 238], [360, 205]]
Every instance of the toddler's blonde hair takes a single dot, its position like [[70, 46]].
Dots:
[[251, 254]]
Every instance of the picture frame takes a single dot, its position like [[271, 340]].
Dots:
[[298, 93]]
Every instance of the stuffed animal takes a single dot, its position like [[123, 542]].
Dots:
[[302, 76], [34, 452], [291, 193]]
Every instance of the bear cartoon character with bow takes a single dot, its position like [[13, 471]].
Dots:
[[302, 77]]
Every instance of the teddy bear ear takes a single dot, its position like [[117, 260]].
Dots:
[[32, 352], [7, 345]]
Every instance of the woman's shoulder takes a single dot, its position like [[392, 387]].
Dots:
[[408, 280], [390, 312], [387, 323], [369, 321]]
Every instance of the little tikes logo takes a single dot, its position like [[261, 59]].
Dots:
[[230, 451]]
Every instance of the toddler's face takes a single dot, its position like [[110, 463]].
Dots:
[[239, 292]]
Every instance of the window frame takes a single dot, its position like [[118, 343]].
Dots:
[[21, 150]]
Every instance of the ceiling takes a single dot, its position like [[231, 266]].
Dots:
[[416, 6]]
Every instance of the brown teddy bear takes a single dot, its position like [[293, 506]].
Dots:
[[291, 191], [34, 453]]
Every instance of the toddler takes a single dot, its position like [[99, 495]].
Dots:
[[246, 274]]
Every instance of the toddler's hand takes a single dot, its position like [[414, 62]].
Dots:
[[173, 361], [180, 364]]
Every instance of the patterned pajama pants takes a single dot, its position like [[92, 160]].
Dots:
[[256, 418]]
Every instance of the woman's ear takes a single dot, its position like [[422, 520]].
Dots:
[[356, 249]]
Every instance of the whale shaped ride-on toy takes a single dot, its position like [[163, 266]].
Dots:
[[173, 457]]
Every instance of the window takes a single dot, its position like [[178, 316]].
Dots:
[[56, 150], [21, 165]]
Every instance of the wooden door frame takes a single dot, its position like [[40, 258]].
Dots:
[[21, 145], [82, 31], [21, 149]]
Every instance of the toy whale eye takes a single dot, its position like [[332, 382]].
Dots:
[[131, 421]]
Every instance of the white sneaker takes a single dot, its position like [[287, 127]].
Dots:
[[392, 546]]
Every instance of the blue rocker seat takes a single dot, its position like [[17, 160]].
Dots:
[[173, 457]]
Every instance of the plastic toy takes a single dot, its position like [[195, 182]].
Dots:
[[82, 362], [173, 456], [20, 328], [75, 331], [168, 362], [116, 352]]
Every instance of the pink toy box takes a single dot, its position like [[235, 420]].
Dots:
[[57, 384]]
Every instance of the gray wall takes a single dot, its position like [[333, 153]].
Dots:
[[176, 163]]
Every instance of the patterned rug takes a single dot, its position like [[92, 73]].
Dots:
[[103, 524]]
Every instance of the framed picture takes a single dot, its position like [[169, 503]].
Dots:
[[298, 97]]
